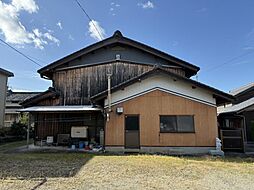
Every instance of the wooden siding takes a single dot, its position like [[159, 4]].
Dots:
[[10, 118], [49, 102], [149, 107], [76, 86]]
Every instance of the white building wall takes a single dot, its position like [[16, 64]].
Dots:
[[3, 89], [164, 83]]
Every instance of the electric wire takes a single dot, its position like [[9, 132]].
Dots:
[[228, 61], [89, 18], [24, 55]]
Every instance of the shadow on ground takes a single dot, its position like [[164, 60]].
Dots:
[[42, 164], [55, 164]]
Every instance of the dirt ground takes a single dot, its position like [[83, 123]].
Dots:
[[55, 170]]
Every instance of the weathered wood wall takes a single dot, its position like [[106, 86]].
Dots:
[[76, 86], [49, 102], [51, 124], [149, 107]]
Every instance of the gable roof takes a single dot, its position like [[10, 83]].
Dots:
[[118, 38], [221, 97], [50, 93], [242, 89], [7, 73]]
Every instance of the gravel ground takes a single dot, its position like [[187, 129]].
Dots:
[[51, 171]]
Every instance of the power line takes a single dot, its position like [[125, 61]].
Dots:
[[228, 61], [38, 60], [89, 18], [24, 55]]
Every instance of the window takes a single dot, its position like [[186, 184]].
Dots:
[[177, 123]]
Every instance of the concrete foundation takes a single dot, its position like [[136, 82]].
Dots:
[[177, 150], [113, 149], [165, 150]]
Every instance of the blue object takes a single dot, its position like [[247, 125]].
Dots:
[[81, 145]]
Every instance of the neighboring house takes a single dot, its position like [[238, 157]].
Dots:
[[3, 88], [142, 99], [239, 116], [13, 100]]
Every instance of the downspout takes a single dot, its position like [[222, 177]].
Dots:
[[64, 95], [65, 91], [109, 95], [28, 130], [109, 92]]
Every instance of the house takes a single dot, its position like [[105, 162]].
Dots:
[[12, 105], [238, 117], [3, 88], [130, 97]]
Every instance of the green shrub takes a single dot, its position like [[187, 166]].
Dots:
[[24, 118], [18, 129], [4, 131]]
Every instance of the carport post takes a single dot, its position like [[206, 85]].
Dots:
[[28, 129]]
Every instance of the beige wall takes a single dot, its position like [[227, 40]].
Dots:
[[153, 104], [3, 88]]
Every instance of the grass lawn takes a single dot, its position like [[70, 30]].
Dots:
[[47, 170]]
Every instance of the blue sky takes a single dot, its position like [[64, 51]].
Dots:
[[216, 35]]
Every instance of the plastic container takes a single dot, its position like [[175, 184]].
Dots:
[[81, 145]]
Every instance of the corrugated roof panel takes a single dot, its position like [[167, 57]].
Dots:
[[237, 107], [60, 108]]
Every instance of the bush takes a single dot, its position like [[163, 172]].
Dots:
[[18, 129], [24, 118], [4, 131]]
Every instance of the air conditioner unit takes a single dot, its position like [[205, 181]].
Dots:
[[79, 132]]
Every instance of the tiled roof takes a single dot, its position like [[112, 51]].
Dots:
[[20, 96]]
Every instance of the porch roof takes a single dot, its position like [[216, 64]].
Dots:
[[61, 108]]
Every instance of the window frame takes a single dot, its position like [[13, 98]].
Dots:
[[193, 116]]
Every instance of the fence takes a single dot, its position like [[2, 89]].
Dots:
[[232, 139]]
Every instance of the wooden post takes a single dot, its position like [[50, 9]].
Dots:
[[28, 130]]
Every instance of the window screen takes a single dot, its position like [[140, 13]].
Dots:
[[180, 123]]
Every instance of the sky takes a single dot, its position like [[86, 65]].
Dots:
[[216, 35]]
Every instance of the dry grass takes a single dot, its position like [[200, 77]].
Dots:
[[84, 171]]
